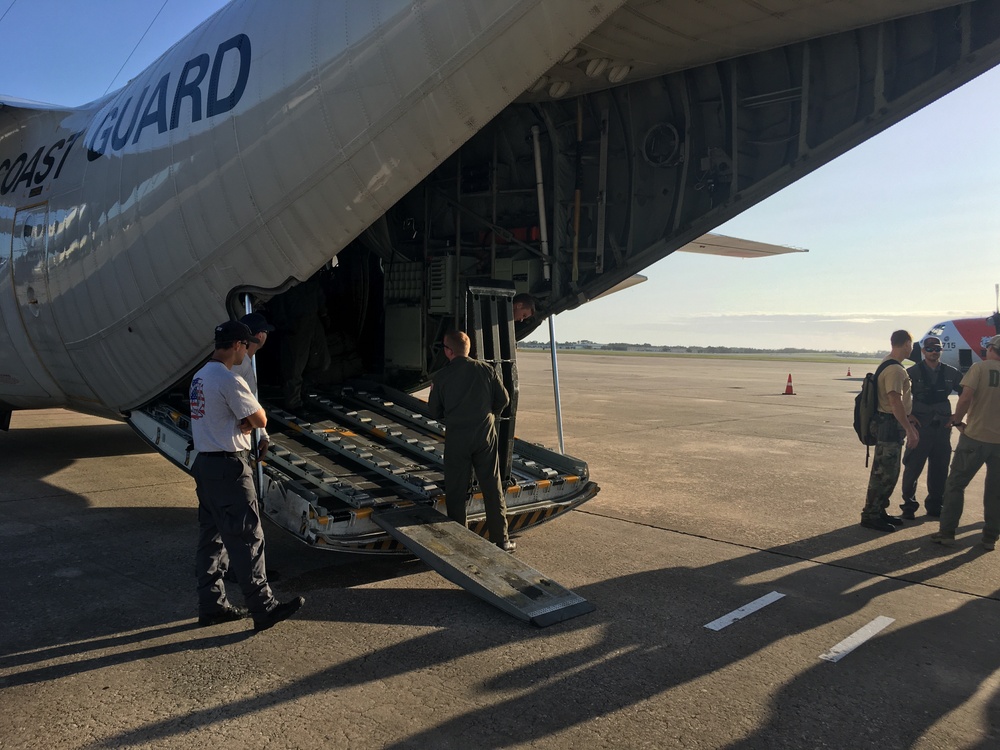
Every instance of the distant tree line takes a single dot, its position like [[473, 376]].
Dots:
[[621, 346]]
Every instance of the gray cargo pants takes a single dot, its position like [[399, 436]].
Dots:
[[230, 536]]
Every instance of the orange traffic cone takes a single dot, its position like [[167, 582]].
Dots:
[[848, 371], [788, 388]]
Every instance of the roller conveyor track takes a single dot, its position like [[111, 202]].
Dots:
[[422, 442], [410, 430], [320, 447], [329, 478], [368, 450]]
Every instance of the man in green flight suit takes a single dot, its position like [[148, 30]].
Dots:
[[468, 397]]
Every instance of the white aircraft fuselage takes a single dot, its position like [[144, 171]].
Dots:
[[273, 135], [248, 154], [964, 340]]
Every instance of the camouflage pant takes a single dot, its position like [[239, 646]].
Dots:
[[885, 474]]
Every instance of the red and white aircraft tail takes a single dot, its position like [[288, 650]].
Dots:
[[964, 340]]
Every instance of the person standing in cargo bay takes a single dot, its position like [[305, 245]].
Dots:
[[468, 397]]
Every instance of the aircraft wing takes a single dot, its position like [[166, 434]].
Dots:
[[714, 244], [629, 282], [734, 247], [17, 103]]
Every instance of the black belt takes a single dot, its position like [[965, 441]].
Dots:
[[236, 454]]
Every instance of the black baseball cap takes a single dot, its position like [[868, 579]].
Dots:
[[256, 323], [233, 330]]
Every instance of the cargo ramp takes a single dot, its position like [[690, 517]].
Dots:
[[359, 468], [480, 567]]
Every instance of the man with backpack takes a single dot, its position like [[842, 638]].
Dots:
[[932, 383], [892, 423]]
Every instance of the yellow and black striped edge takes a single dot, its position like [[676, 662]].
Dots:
[[517, 521]]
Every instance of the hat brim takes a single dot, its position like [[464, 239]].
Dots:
[[232, 339]]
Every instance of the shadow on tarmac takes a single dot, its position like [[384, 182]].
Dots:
[[643, 652], [827, 700], [642, 649]]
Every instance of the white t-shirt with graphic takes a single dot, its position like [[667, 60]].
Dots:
[[219, 400]]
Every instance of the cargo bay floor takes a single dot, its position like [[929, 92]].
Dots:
[[716, 492]]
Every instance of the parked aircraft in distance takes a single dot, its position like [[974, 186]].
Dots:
[[963, 341], [389, 156]]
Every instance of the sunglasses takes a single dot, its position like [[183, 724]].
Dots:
[[932, 348]]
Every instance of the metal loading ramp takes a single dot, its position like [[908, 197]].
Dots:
[[480, 567]]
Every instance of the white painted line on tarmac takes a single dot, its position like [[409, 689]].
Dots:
[[748, 609], [854, 640]]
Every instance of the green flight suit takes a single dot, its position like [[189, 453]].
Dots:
[[467, 396]]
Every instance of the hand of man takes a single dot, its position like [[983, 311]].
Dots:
[[245, 426], [262, 447], [912, 436]]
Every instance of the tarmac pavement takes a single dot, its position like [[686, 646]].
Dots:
[[716, 491]]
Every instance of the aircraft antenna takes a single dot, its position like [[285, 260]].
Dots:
[[164, 5]]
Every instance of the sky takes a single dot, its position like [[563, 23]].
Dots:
[[902, 231]]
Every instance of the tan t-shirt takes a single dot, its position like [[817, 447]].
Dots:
[[983, 420], [894, 378]]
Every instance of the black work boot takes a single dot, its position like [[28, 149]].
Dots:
[[281, 612], [226, 614], [877, 524]]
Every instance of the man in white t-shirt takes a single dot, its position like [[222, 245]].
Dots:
[[223, 414]]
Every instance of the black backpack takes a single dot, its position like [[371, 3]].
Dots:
[[866, 408]]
